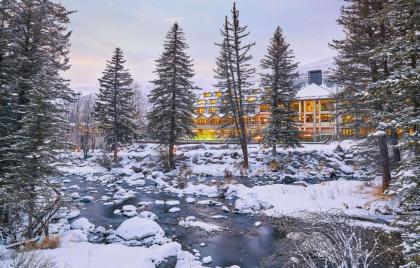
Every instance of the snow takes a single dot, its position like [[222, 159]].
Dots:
[[191, 222], [82, 224], [207, 260], [313, 91], [278, 199], [172, 202], [89, 255], [148, 215], [138, 228], [190, 200], [174, 209], [74, 236]]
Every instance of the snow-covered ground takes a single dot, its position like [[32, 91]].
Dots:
[[299, 183]]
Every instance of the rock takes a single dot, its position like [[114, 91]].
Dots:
[[207, 260], [148, 215], [172, 202], [138, 228], [138, 182], [225, 209], [82, 224], [159, 202], [137, 169], [87, 199], [169, 262], [202, 244], [75, 195], [66, 181], [72, 214], [190, 200], [288, 179], [129, 211], [74, 187], [258, 223], [174, 209], [74, 236], [300, 183]]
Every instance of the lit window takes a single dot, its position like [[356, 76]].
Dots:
[[218, 94], [213, 102], [207, 95]]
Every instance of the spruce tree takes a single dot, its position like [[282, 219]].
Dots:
[[114, 109], [360, 73], [234, 71], [279, 81], [38, 50], [403, 85], [172, 99]]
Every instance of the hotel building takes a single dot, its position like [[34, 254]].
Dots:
[[314, 105]]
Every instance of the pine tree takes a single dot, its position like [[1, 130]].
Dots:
[[172, 99], [233, 71], [403, 85], [39, 51], [114, 109], [280, 82], [360, 72]]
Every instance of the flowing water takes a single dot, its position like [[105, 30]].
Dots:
[[241, 243]]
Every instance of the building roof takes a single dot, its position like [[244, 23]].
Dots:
[[314, 91]]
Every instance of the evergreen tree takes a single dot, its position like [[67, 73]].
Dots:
[[360, 72], [233, 71], [279, 81], [39, 49], [172, 99], [403, 85], [114, 109]]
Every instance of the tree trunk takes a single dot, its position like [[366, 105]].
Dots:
[[171, 155], [395, 149], [274, 150], [115, 152], [384, 157]]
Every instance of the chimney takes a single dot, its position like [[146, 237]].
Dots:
[[315, 76]]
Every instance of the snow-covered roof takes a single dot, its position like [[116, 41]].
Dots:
[[314, 91]]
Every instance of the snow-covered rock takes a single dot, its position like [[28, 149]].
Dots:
[[148, 215], [207, 260], [190, 200], [172, 202], [82, 224], [74, 236], [138, 228], [174, 209], [129, 211], [75, 195], [87, 199]]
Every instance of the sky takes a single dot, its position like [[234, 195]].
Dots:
[[140, 26]]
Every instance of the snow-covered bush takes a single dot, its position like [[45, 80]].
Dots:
[[105, 161]]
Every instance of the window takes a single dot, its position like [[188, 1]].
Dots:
[[200, 110], [309, 106], [201, 102], [309, 118], [327, 118], [251, 99], [295, 106], [347, 132], [213, 110], [207, 95], [213, 101], [218, 94], [264, 108]]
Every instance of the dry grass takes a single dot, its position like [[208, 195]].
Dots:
[[48, 242], [378, 193]]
